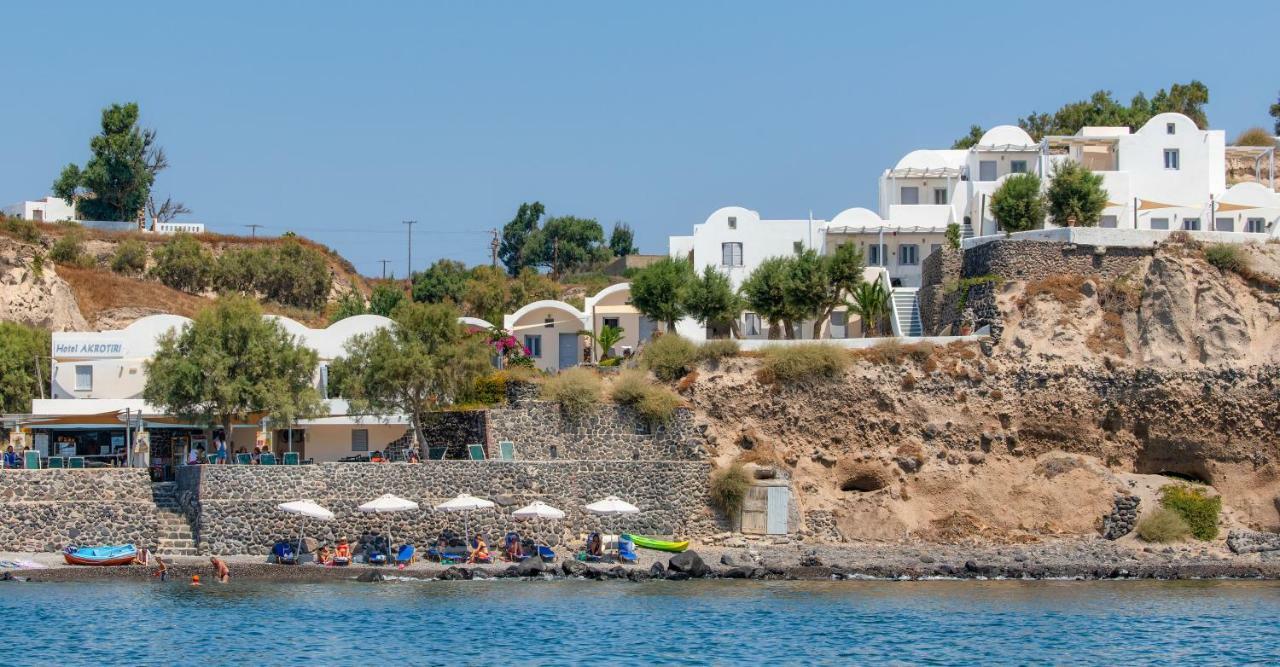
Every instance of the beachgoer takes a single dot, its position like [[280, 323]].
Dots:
[[193, 456], [322, 556], [201, 457], [221, 444], [10, 458], [595, 545], [257, 455], [515, 552], [480, 554], [220, 569], [342, 554], [195, 580], [413, 456], [376, 457], [162, 570]]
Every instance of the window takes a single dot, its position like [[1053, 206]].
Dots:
[[750, 324], [731, 254], [1170, 128], [1159, 223], [1018, 166], [797, 247], [84, 378], [908, 254], [987, 170], [549, 322], [1224, 225], [359, 439], [940, 196], [909, 195], [1251, 225], [1170, 158], [37, 215], [533, 345], [875, 255], [1191, 224], [611, 322], [733, 222], [1108, 222]]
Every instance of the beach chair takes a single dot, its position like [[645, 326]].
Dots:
[[627, 551], [476, 452], [406, 555], [244, 459], [267, 459], [507, 450], [291, 458], [546, 553], [55, 462], [284, 553], [436, 453], [75, 462]]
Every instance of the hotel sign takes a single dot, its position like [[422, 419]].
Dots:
[[94, 348]]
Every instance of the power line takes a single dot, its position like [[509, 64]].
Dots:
[[254, 233], [409, 272]]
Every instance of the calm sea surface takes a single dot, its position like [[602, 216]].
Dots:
[[572, 622]]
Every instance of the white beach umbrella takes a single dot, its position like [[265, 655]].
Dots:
[[538, 510], [386, 503], [612, 506], [465, 502], [306, 509]]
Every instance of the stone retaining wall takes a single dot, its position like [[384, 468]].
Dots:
[[610, 433], [234, 507], [45, 510], [939, 271], [454, 430], [1034, 260]]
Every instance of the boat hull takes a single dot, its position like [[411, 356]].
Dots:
[[658, 545], [100, 556]]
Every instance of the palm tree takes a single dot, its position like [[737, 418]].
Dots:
[[606, 339], [870, 301]]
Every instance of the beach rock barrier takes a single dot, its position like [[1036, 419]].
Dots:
[[1244, 541], [1122, 519]]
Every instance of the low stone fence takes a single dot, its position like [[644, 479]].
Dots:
[[1034, 260], [45, 510], [234, 507], [610, 433]]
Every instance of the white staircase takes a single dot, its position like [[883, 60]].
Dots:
[[907, 309], [966, 231]]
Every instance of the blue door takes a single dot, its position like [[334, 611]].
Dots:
[[646, 329], [568, 350], [778, 508]]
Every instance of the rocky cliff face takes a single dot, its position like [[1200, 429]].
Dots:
[[34, 297]]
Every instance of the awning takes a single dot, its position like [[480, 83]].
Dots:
[[1227, 206], [1148, 205], [617, 310]]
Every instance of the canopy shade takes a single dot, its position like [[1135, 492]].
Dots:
[[1147, 205], [464, 502], [388, 503], [1228, 206], [538, 510], [306, 508], [612, 505]]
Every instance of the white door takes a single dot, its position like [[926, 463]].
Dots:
[[776, 523]]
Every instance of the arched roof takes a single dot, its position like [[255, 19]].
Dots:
[[615, 288], [475, 322], [1157, 122], [1006, 135], [510, 321], [1251, 194], [856, 217], [927, 159]]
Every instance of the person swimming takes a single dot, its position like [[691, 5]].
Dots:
[[195, 580], [220, 569]]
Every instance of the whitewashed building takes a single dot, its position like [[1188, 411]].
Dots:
[[49, 209]]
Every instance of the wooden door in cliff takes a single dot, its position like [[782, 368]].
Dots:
[[755, 511]]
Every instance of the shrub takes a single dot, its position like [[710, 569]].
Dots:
[[1227, 257], [653, 402], [715, 350], [1163, 525], [953, 235], [1255, 136], [69, 248], [490, 389], [728, 488], [793, 364], [183, 264], [1196, 508], [130, 257], [1018, 204], [577, 390], [670, 357], [1075, 195], [21, 229], [289, 273]]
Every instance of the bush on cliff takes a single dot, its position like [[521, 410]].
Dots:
[[670, 357], [1196, 508], [1227, 257], [655, 403], [1163, 525], [20, 228], [130, 257], [715, 350], [577, 390], [69, 248], [794, 364], [728, 488], [183, 264]]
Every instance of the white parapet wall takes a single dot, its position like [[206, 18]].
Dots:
[[1115, 238], [755, 344]]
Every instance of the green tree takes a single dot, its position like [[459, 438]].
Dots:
[[1018, 204], [824, 284], [385, 299], [443, 281], [531, 286], [487, 294], [1102, 109], [130, 257], [870, 302], [116, 181], [1275, 113], [765, 291], [423, 362], [23, 367], [710, 299], [1075, 193], [657, 290], [1187, 99], [516, 233], [953, 235], [622, 240], [350, 305], [239, 270], [183, 264], [566, 243], [969, 140], [230, 364], [608, 337], [295, 275]]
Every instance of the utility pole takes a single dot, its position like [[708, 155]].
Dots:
[[254, 233], [384, 268], [409, 272], [493, 248]]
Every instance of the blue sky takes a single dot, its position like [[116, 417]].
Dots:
[[340, 120]]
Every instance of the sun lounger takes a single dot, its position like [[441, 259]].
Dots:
[[75, 462], [507, 450], [436, 453], [406, 555], [267, 459], [244, 459], [627, 551], [476, 452], [284, 554], [291, 458], [546, 553], [55, 462]]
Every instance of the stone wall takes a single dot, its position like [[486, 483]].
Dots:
[[610, 433], [1034, 260], [234, 507], [939, 272], [454, 430], [45, 510]]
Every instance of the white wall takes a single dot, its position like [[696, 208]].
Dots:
[[760, 239], [51, 209]]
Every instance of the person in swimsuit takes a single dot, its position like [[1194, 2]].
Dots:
[[480, 554], [220, 569]]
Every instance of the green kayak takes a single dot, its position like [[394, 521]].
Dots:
[[656, 544]]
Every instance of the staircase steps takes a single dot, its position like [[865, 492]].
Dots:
[[174, 537], [907, 307], [966, 231]]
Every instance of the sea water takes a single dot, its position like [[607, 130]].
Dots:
[[577, 622]]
